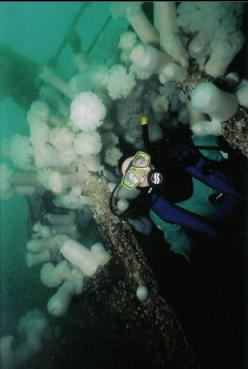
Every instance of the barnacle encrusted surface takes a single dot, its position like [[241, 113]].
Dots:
[[235, 131]]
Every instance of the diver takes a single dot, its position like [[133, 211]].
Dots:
[[188, 186]]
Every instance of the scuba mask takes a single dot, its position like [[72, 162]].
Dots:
[[138, 167]]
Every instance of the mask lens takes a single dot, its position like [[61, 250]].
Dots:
[[141, 161], [130, 180]]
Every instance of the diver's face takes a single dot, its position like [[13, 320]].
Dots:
[[141, 173]]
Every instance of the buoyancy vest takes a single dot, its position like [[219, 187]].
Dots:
[[216, 178], [204, 171]]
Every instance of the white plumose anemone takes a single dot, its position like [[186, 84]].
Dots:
[[120, 82], [87, 143], [87, 111]]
